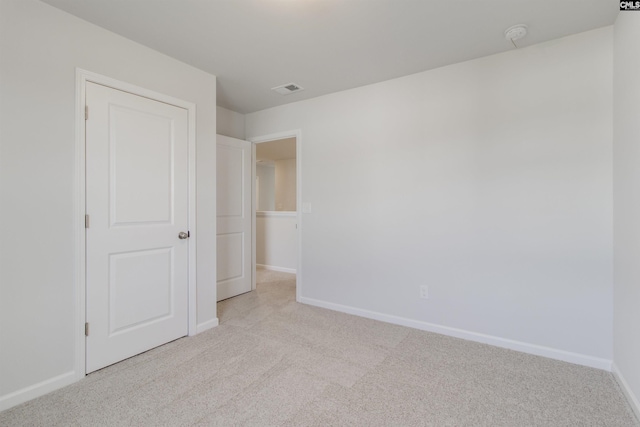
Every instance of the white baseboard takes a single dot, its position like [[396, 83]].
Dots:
[[36, 390], [207, 325], [17, 397], [274, 268], [631, 397], [538, 350]]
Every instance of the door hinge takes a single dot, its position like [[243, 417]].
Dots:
[[86, 112], [86, 329], [86, 221]]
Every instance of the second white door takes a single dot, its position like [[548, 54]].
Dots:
[[233, 216]]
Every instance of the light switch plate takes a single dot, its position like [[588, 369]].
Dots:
[[306, 207]]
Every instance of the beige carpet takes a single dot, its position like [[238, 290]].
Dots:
[[273, 362]]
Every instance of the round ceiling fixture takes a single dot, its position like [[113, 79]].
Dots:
[[516, 32]]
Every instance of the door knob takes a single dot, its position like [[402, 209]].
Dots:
[[182, 235]]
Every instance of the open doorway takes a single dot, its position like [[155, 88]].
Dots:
[[277, 209], [275, 204]]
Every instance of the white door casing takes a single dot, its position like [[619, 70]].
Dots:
[[137, 198], [234, 239]]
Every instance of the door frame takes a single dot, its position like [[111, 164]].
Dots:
[[82, 77], [297, 134]]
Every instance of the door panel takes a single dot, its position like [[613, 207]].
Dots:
[[137, 200], [136, 197], [231, 246], [140, 288], [233, 216]]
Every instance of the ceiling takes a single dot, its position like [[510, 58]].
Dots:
[[327, 46], [280, 149]]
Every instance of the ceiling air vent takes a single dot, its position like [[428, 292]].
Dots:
[[287, 89]]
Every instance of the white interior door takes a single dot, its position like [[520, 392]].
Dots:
[[234, 216], [137, 203]]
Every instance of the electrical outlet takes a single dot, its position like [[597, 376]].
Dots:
[[424, 292]]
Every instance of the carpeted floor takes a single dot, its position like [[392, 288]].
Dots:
[[273, 362]]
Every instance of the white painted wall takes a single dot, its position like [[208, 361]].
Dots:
[[40, 48], [490, 181], [230, 123], [266, 191], [276, 185], [285, 180], [276, 240], [626, 190]]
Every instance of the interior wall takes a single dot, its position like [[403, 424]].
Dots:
[[230, 123], [266, 174], [40, 48], [285, 180], [489, 181], [276, 241], [626, 190]]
